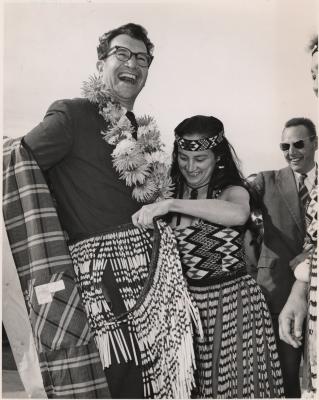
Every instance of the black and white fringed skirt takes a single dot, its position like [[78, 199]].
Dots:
[[309, 382], [159, 311], [310, 378], [237, 356]]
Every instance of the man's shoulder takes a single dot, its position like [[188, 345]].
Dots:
[[73, 105], [274, 173], [268, 180]]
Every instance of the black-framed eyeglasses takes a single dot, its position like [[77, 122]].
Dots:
[[300, 144], [124, 54]]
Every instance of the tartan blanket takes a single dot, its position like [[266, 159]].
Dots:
[[69, 360]]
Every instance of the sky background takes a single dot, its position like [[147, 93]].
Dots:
[[243, 61]]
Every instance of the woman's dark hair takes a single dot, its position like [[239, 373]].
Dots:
[[227, 171], [133, 30]]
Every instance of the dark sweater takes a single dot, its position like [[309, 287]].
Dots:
[[69, 147]]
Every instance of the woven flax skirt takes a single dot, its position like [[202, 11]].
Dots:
[[237, 357], [158, 314]]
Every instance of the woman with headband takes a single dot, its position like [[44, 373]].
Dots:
[[236, 352]]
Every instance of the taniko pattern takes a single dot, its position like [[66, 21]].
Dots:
[[209, 250], [200, 144]]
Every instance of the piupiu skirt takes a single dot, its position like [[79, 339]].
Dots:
[[237, 356], [146, 320]]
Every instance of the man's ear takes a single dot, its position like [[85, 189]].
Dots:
[[99, 66]]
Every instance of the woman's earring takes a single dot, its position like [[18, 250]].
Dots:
[[219, 166]]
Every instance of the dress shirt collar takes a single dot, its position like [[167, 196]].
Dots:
[[310, 180]]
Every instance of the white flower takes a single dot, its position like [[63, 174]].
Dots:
[[158, 156], [125, 146], [142, 163], [124, 122], [152, 126], [144, 192], [128, 162], [135, 176]]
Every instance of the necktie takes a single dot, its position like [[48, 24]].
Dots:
[[130, 115], [303, 191], [304, 198]]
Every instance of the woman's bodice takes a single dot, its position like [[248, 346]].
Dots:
[[211, 253]]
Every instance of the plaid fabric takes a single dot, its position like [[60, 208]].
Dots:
[[73, 373], [69, 359]]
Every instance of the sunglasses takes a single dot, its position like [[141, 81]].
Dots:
[[300, 144]]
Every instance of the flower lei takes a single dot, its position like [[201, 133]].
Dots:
[[141, 162]]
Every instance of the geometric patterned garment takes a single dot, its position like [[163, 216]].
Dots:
[[155, 328], [200, 144], [211, 252], [311, 216], [236, 357], [309, 382]]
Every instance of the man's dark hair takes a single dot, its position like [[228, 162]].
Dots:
[[307, 123], [133, 30]]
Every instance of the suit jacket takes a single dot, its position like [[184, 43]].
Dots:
[[284, 234]]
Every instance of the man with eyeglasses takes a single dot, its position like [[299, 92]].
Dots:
[[283, 197], [71, 148]]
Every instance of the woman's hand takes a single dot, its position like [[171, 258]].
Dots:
[[143, 218]]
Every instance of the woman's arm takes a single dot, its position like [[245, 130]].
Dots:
[[231, 208]]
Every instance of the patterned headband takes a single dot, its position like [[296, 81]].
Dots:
[[200, 144], [314, 49]]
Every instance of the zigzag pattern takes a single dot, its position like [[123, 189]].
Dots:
[[236, 357], [210, 250], [311, 216]]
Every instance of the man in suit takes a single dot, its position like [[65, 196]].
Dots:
[[284, 231], [301, 304]]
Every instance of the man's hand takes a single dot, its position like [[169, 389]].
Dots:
[[293, 314]]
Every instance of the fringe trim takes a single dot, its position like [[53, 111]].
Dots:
[[160, 309], [232, 366], [310, 368]]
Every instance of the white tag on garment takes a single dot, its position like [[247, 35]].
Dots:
[[56, 286], [44, 292]]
